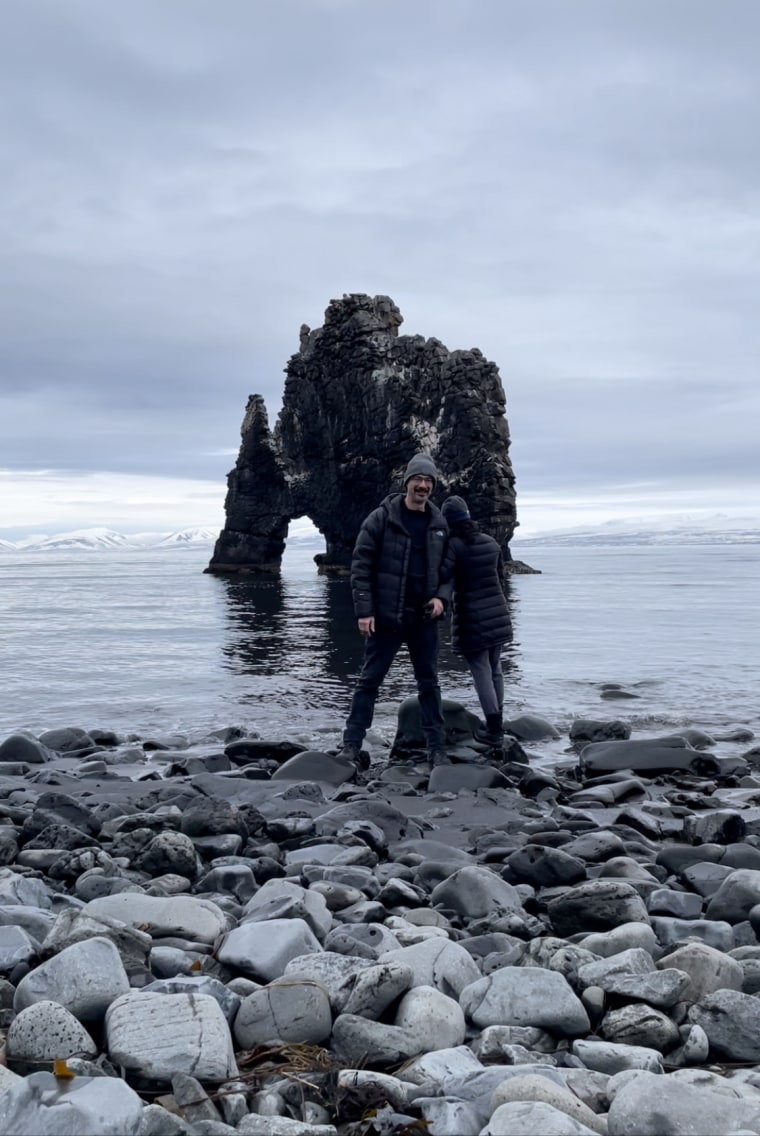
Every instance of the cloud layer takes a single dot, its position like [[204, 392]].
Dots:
[[569, 186]]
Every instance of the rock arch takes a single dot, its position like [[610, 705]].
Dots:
[[359, 401]]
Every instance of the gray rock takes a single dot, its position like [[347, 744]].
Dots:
[[264, 949], [661, 989], [447, 1117], [530, 728], [532, 1088], [438, 1066], [642, 1025], [158, 1035], [36, 921], [695, 1049], [708, 970], [337, 974], [676, 857], [237, 880], [608, 1057], [474, 892], [646, 1104], [47, 1031], [253, 1125], [712, 932], [394, 824], [632, 962], [595, 847], [183, 915], [681, 904], [598, 905], [192, 1099], [437, 962], [731, 1021], [644, 756], [316, 765], [356, 1040], [17, 889], [543, 866], [85, 978], [717, 826], [736, 896], [525, 996], [525, 1118], [281, 899], [585, 730], [495, 1040], [158, 1121], [88, 1106], [378, 987], [228, 1000], [77, 925], [465, 775], [283, 1012], [436, 1019], [23, 747], [16, 946]]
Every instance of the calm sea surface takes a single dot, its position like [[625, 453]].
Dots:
[[145, 642]]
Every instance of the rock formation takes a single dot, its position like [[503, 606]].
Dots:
[[359, 401]]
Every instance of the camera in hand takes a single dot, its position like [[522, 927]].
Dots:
[[427, 611]]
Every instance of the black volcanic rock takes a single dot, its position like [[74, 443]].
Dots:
[[359, 401]]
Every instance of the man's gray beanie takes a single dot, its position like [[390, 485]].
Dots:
[[421, 465]]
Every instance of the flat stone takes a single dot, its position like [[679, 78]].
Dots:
[[185, 915], [608, 1057], [158, 1035]]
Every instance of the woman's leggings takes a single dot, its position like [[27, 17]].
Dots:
[[487, 675]]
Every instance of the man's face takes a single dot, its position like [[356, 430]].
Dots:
[[418, 489]]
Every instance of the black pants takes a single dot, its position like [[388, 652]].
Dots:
[[381, 648]]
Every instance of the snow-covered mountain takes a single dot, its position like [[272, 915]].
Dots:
[[681, 529], [676, 529], [106, 540], [301, 533]]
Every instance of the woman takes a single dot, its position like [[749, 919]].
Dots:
[[481, 623]]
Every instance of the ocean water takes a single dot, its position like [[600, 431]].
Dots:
[[144, 642]]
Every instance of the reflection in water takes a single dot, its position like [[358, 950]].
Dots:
[[294, 637]]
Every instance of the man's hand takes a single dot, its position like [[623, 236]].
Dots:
[[367, 626], [435, 607]]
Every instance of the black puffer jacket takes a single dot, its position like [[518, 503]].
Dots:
[[381, 559], [481, 615]]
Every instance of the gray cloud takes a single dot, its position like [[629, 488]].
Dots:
[[570, 186]]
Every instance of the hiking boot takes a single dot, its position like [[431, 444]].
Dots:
[[437, 756], [351, 751], [494, 729]]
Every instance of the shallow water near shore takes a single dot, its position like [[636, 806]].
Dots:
[[145, 642]]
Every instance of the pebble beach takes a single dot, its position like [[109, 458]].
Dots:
[[238, 935]]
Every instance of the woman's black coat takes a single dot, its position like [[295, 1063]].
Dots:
[[481, 615]]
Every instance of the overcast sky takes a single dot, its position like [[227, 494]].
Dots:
[[569, 185]]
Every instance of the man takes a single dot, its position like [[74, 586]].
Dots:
[[401, 581]]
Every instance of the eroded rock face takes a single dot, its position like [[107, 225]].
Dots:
[[359, 401]]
